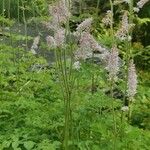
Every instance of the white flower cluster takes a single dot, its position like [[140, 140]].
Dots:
[[122, 32], [136, 9], [125, 108], [141, 3], [77, 65], [87, 43], [107, 20], [132, 80], [85, 25], [58, 40], [60, 14], [82, 54], [113, 63], [51, 41], [59, 37]]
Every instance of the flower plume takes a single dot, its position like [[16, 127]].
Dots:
[[51, 41], [60, 37], [60, 14], [58, 40], [113, 63], [141, 3], [85, 25], [132, 80], [107, 20], [124, 29]]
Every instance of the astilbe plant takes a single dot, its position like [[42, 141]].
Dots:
[[132, 80], [113, 68], [123, 31], [132, 85], [86, 46], [85, 25], [60, 15], [113, 63], [123, 35]]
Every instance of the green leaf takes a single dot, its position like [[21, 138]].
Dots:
[[6, 144], [29, 145], [15, 144]]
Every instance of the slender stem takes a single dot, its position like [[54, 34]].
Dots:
[[25, 25], [66, 94], [3, 11], [128, 55], [126, 70], [58, 71], [112, 20], [66, 139], [112, 80], [130, 110], [131, 16], [10, 33], [114, 115], [97, 7], [68, 81], [61, 72], [129, 52], [93, 75], [80, 6], [92, 86], [18, 11], [18, 53]]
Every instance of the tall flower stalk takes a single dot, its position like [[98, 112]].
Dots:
[[132, 85], [124, 34], [112, 64], [130, 69], [60, 12], [113, 69]]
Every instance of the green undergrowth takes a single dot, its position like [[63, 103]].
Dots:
[[32, 110]]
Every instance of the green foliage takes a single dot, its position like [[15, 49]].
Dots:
[[14, 8], [31, 100], [142, 57], [31, 115], [27, 111]]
